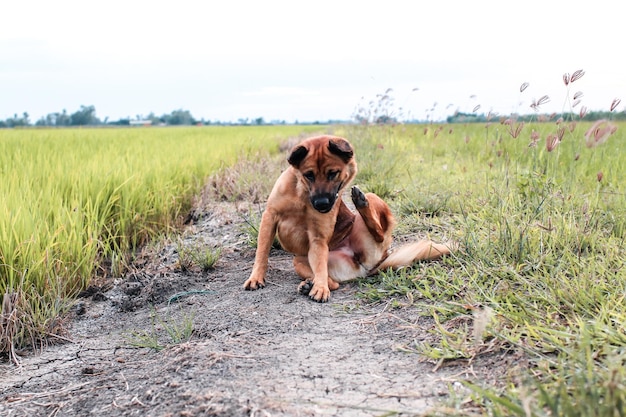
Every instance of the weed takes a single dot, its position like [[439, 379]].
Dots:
[[163, 333], [196, 255], [185, 258], [206, 258], [251, 230]]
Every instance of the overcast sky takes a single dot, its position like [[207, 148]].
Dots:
[[305, 61]]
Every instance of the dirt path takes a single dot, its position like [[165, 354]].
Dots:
[[270, 352]]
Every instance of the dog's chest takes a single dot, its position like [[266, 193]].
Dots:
[[292, 236]]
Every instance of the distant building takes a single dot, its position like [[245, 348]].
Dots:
[[140, 122]]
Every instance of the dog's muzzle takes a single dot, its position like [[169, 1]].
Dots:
[[323, 202]]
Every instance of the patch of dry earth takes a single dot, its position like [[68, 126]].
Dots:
[[270, 352]]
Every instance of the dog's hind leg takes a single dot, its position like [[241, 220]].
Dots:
[[304, 271], [374, 212], [302, 267]]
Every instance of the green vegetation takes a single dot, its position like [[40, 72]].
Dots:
[[163, 332], [197, 255], [77, 202], [538, 211], [540, 220], [251, 230]]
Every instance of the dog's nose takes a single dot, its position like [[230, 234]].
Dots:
[[323, 204]]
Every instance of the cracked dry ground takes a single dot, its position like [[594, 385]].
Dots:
[[269, 352]]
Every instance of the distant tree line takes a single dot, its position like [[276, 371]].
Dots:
[[86, 116], [16, 121]]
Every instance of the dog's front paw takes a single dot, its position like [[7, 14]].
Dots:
[[254, 283], [358, 198], [319, 293]]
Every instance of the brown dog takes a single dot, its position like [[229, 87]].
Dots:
[[331, 244]]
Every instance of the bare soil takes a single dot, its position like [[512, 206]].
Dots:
[[270, 352]]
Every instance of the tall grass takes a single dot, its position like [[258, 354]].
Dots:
[[540, 272], [75, 200]]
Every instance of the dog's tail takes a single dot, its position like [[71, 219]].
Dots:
[[405, 255]]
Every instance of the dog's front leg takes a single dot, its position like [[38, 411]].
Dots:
[[318, 260], [267, 232]]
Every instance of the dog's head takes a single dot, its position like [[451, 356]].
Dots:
[[324, 165]]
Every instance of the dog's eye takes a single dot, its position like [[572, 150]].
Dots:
[[310, 176], [332, 175]]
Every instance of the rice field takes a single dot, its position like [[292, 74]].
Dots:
[[76, 201]]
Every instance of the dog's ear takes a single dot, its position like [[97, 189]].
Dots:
[[297, 155], [341, 148]]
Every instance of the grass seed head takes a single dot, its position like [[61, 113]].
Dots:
[[566, 78], [538, 103], [599, 132], [552, 141], [615, 103], [534, 138], [577, 75], [582, 112], [515, 129]]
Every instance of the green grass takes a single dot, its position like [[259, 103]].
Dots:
[[198, 255], [541, 266], [163, 333], [74, 200], [539, 273]]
